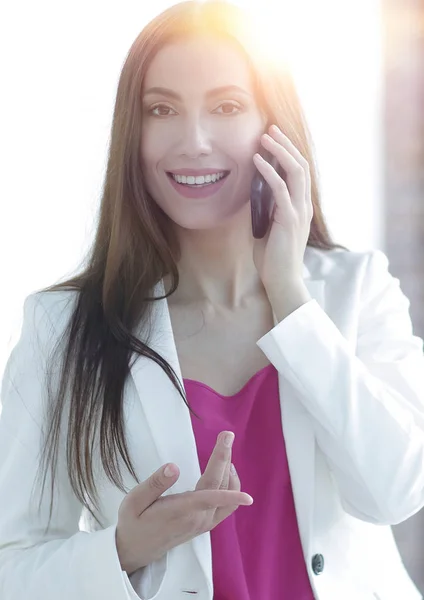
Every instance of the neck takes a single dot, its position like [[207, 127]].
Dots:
[[216, 266]]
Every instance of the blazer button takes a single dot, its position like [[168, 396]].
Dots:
[[318, 564]]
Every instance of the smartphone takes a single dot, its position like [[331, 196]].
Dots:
[[261, 198]]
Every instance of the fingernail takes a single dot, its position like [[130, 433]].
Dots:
[[233, 469], [268, 138], [275, 129], [228, 439], [169, 471]]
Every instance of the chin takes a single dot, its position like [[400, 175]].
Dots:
[[230, 222]]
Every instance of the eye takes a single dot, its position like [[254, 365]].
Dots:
[[230, 105], [160, 107]]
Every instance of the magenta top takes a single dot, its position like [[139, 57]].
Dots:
[[256, 551]]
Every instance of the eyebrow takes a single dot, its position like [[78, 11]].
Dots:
[[213, 92]]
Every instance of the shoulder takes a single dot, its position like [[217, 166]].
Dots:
[[39, 336], [47, 314], [340, 264]]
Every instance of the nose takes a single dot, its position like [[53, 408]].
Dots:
[[195, 138]]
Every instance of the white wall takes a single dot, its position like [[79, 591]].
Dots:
[[60, 64]]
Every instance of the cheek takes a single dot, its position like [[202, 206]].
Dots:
[[243, 151], [150, 147], [152, 152], [244, 141]]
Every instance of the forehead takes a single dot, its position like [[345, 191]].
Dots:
[[199, 63]]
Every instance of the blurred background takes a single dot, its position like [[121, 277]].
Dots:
[[359, 67]]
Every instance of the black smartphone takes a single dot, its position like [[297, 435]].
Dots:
[[261, 198]]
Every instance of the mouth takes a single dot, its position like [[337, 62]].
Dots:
[[198, 187], [198, 181]]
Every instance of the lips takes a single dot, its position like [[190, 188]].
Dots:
[[170, 175], [197, 172], [198, 191]]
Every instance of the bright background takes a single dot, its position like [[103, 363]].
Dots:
[[60, 64]]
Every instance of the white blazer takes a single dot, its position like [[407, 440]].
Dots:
[[351, 391]]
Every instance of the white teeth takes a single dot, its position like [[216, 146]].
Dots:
[[200, 180]]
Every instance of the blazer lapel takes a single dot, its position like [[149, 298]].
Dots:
[[300, 439], [168, 417]]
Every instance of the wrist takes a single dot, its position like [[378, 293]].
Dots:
[[126, 563], [285, 300]]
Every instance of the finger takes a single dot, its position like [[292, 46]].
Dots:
[[278, 186], [221, 455], [215, 499], [147, 492], [226, 476], [234, 480], [285, 141], [276, 133], [224, 512], [295, 175]]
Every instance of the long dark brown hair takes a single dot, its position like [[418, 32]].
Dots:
[[133, 249]]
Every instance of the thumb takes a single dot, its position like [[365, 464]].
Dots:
[[147, 492]]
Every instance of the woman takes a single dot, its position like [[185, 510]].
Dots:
[[182, 330]]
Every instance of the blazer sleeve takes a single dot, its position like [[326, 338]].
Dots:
[[366, 403], [64, 563]]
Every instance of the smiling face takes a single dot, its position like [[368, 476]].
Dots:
[[201, 126]]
